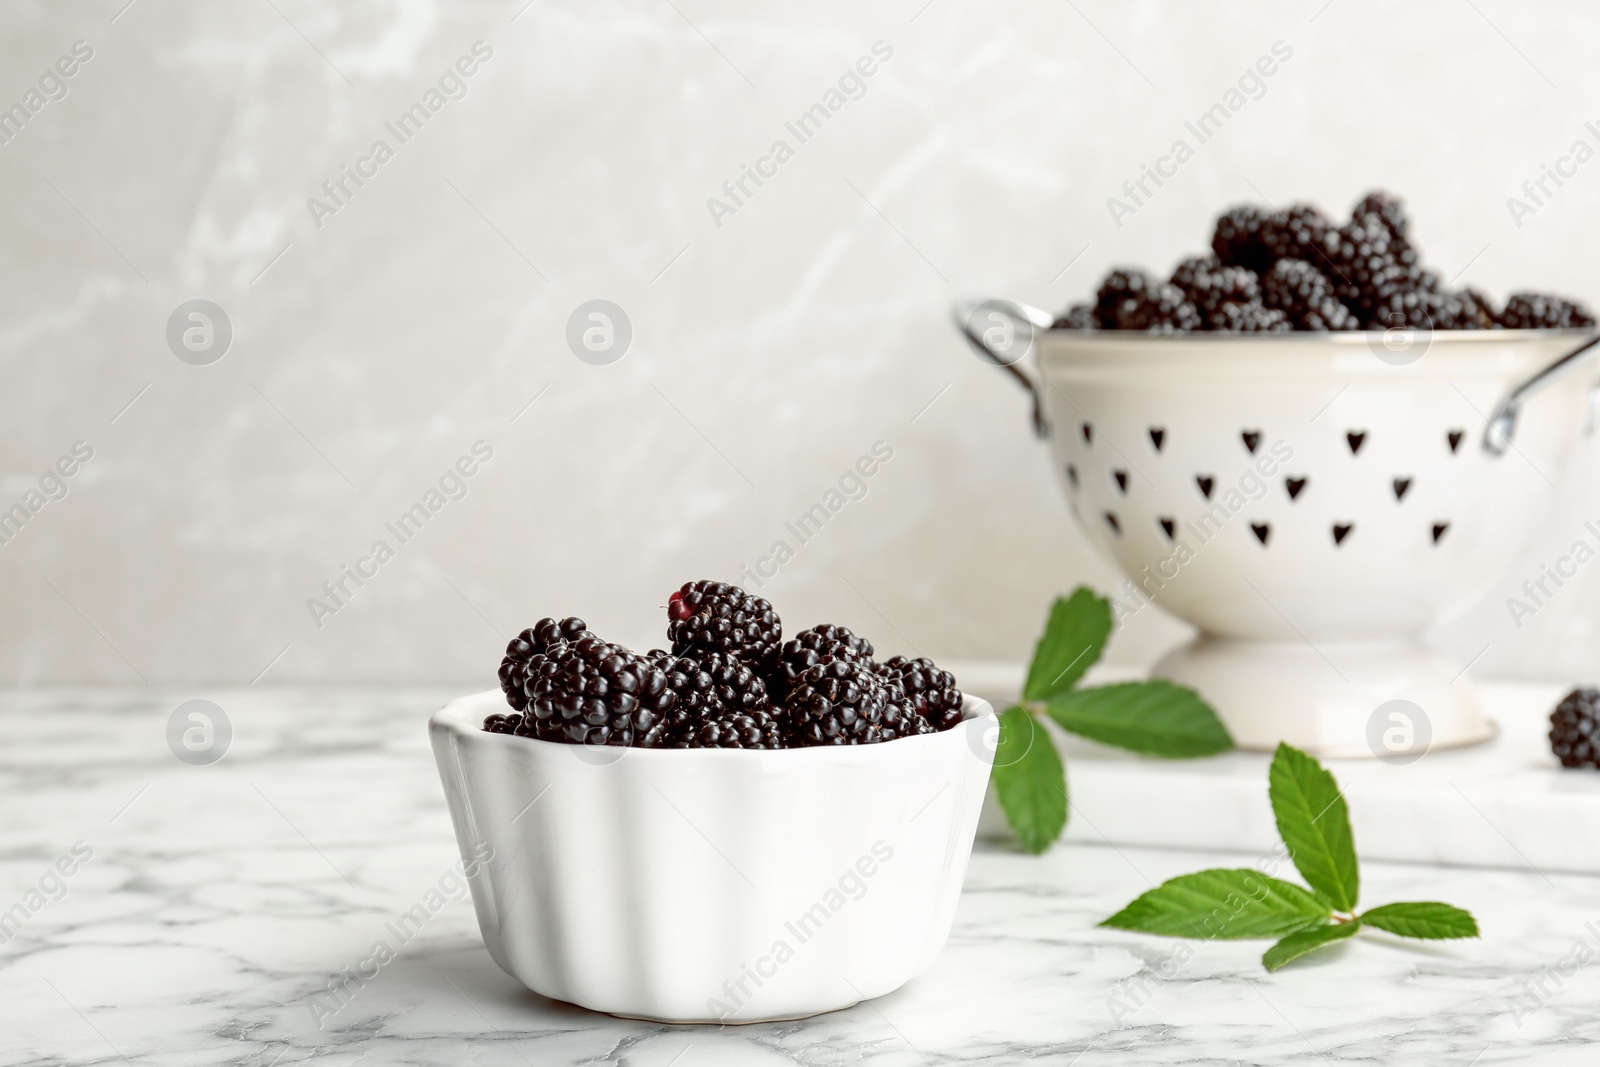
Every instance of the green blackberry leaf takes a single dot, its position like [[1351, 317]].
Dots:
[[1029, 780], [1422, 919], [1222, 903], [1315, 823], [1073, 639], [1157, 718], [1303, 941]]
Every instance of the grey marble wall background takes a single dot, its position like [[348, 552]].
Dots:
[[375, 341]]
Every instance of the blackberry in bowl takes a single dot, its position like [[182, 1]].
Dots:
[[661, 827]]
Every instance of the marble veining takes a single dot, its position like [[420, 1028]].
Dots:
[[221, 901]]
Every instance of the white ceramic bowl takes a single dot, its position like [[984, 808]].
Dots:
[[1312, 503], [712, 885]]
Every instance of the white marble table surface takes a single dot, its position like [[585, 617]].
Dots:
[[218, 900]]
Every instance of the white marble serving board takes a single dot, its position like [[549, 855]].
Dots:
[[1503, 803]]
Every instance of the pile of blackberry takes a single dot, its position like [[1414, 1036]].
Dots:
[[1276, 272], [730, 681]]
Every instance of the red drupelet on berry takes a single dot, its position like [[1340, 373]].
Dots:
[[717, 617]]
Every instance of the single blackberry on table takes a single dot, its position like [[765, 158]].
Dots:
[[1208, 285], [1164, 309], [846, 702], [1575, 729], [1119, 286], [929, 691], [807, 649], [717, 617], [1077, 317], [1300, 232], [535, 640], [592, 692], [1540, 311], [1251, 318], [1237, 239], [1305, 295]]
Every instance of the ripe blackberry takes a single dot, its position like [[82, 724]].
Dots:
[[1305, 295], [535, 640], [1237, 240], [718, 617], [744, 729], [1369, 264], [592, 692], [929, 691], [711, 688], [845, 702], [1252, 318], [1420, 303], [1298, 233], [1164, 309], [1388, 209], [1208, 285], [1077, 317], [502, 724], [811, 647], [1474, 312], [1539, 311], [1119, 286], [1575, 729]]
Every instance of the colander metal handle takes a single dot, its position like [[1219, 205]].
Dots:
[[978, 319], [1503, 423]]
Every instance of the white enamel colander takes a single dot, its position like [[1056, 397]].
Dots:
[[1312, 502]]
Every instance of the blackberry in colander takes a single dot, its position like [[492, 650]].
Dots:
[[1164, 309], [1305, 295], [1119, 287], [717, 617], [1252, 318], [1540, 311], [1077, 317], [1237, 242], [1208, 285], [1575, 729]]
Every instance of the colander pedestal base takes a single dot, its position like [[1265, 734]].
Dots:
[[1391, 700]]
